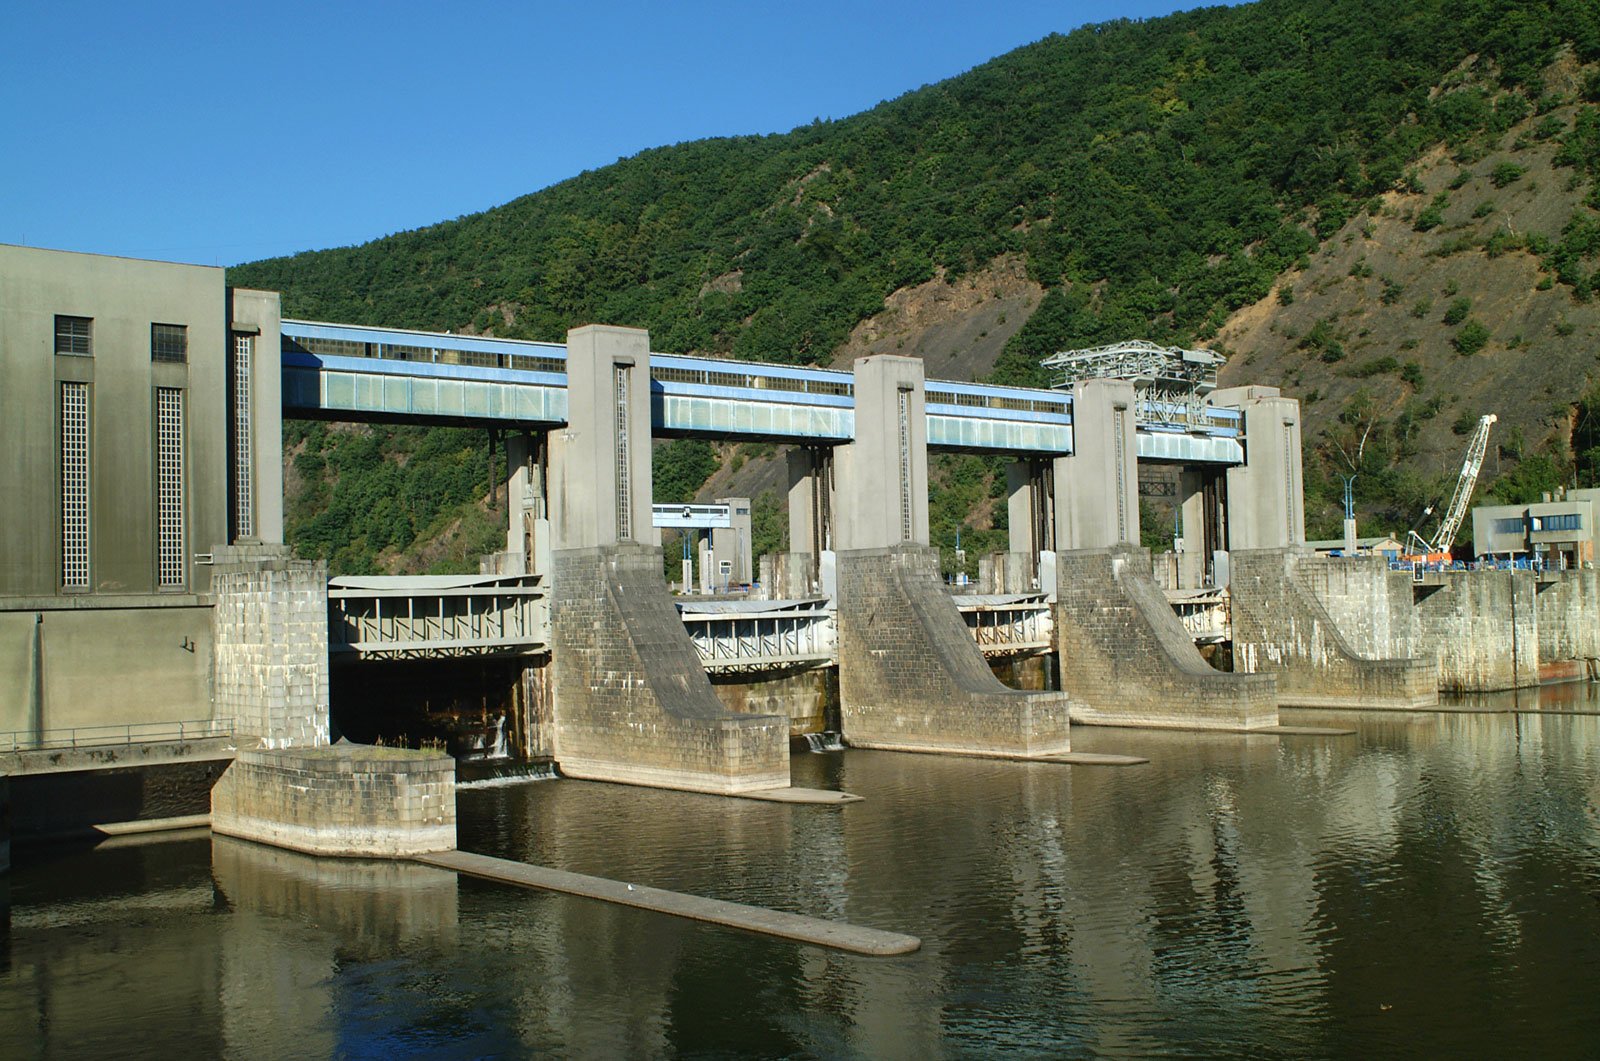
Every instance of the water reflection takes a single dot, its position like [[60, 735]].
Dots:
[[1429, 885]]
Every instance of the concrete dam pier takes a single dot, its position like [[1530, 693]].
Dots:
[[910, 676], [1128, 661]]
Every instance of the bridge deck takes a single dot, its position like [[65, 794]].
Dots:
[[390, 374]]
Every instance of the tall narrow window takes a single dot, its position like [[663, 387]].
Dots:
[[169, 342], [75, 486], [1119, 460], [1288, 480], [244, 514], [907, 531], [169, 487], [624, 485], [75, 335]]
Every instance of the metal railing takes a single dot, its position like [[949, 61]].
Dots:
[[115, 736]]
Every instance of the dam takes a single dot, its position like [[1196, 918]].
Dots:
[[147, 555]]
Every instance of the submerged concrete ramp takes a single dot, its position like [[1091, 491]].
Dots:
[[1126, 660], [912, 679], [1280, 627], [632, 702]]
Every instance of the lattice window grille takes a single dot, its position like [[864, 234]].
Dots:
[[907, 531], [1120, 461], [75, 486], [1288, 480], [169, 487], [624, 485], [244, 514]]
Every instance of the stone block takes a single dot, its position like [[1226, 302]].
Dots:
[[344, 799]]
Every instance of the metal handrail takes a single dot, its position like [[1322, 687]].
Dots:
[[115, 736]]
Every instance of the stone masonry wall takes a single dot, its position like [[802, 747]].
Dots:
[[1569, 624], [1281, 628], [1127, 660], [800, 696], [345, 799], [270, 626], [911, 677], [1371, 605], [1483, 628], [632, 702]]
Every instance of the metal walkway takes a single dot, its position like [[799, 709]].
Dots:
[[349, 372], [437, 616]]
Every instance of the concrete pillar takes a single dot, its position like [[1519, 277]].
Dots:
[[733, 543], [910, 675], [270, 662], [256, 317], [810, 500], [630, 696], [528, 523], [882, 477], [1030, 512], [1097, 487], [600, 463], [1266, 494], [1204, 525]]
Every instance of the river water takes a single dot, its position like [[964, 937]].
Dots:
[[1427, 887]]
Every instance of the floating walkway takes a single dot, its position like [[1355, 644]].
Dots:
[[798, 927]]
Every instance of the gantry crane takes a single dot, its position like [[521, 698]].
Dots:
[[1445, 537]]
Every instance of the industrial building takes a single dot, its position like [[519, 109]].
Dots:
[[1558, 530], [142, 405]]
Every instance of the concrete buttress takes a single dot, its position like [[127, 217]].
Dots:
[[1126, 660], [910, 676], [1280, 627], [632, 701]]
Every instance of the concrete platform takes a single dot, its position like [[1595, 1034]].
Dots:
[[815, 796], [115, 756], [1305, 731], [798, 927]]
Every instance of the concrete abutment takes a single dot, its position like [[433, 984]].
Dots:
[[1126, 659], [1280, 627], [910, 676]]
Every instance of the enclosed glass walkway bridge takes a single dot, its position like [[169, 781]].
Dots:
[[340, 371]]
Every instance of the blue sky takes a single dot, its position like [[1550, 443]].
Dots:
[[225, 132]]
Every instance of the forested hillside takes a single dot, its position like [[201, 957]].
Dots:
[[1275, 179]]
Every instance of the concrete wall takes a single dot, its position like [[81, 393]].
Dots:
[[910, 676], [271, 635], [1266, 494], [346, 799], [1126, 660], [131, 661], [631, 698], [127, 650], [1483, 627], [788, 576], [799, 696], [1281, 628], [1568, 605], [1097, 488]]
